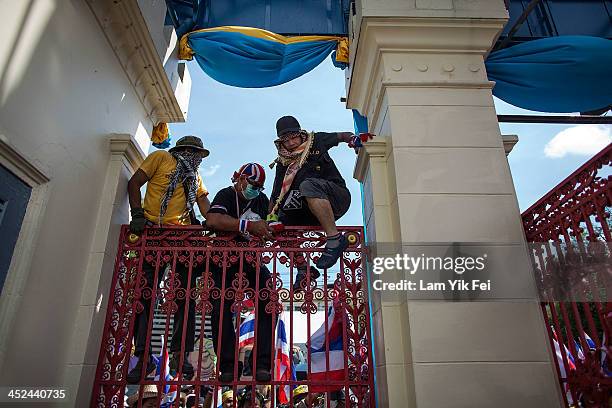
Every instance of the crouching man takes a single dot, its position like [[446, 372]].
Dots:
[[241, 208], [309, 189], [173, 187]]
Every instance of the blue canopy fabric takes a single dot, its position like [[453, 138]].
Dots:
[[254, 58], [360, 122], [557, 74]]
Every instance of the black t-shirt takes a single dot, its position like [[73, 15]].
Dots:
[[318, 164], [228, 201], [252, 210]]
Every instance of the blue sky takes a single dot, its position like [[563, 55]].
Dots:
[[534, 162], [238, 126]]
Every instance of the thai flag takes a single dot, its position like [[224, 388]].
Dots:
[[592, 346], [320, 372], [569, 355], [170, 391], [247, 330], [284, 369], [569, 360], [564, 361], [219, 398], [579, 352], [590, 343]]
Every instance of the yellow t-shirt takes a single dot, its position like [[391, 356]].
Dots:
[[159, 166]]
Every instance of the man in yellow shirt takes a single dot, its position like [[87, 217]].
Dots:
[[167, 175], [173, 187]]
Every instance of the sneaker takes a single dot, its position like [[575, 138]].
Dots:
[[133, 376], [263, 375], [330, 256], [301, 277]]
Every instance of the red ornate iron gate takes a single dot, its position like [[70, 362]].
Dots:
[[570, 243], [169, 269]]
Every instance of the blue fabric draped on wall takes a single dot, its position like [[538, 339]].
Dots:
[[254, 58], [557, 74], [277, 67]]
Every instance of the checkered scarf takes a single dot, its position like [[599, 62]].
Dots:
[[186, 172], [293, 160]]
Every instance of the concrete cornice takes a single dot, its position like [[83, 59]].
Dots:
[[374, 148], [124, 145], [128, 35], [509, 142], [385, 40], [20, 165]]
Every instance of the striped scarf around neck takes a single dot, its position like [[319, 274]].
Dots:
[[294, 160], [186, 172]]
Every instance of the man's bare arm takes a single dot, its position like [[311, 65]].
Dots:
[[203, 203], [136, 182], [138, 222], [224, 222]]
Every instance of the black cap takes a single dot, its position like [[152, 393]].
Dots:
[[287, 124]]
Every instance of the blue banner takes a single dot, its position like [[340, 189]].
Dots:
[[556, 74]]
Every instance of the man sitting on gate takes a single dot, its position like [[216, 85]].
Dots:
[[173, 187], [241, 208], [308, 188]]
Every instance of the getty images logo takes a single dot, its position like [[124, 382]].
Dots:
[[414, 264]]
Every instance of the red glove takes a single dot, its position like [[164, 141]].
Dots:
[[276, 226], [357, 141]]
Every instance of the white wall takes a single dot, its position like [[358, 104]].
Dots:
[[62, 93]]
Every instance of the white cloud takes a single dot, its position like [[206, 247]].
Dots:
[[583, 140], [210, 170]]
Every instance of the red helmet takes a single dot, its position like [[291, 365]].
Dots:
[[254, 172]]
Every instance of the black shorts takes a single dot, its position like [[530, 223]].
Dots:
[[295, 211]]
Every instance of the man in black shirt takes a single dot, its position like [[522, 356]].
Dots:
[[308, 188], [242, 208]]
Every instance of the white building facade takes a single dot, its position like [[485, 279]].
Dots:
[[82, 83]]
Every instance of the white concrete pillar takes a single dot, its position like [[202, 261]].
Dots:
[[113, 211], [437, 173]]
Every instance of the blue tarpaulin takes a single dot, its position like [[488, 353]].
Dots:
[[557, 74], [254, 58]]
